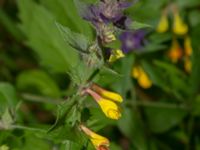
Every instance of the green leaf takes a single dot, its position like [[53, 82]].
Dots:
[[39, 81], [32, 139], [162, 119], [6, 119], [98, 120], [69, 145], [66, 13], [38, 24], [131, 126], [75, 40], [8, 97], [138, 25]]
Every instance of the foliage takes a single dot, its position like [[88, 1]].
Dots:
[[50, 58]]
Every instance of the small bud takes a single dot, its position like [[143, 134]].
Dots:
[[99, 142], [116, 54]]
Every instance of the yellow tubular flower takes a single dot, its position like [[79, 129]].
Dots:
[[187, 46], [110, 109], [99, 142], [115, 54], [179, 27], [144, 81], [107, 94], [175, 52], [163, 24], [188, 65]]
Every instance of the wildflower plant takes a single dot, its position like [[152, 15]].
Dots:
[[85, 75]]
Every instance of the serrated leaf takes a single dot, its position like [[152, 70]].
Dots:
[[75, 40], [44, 38], [60, 8]]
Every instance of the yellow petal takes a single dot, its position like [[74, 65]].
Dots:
[[179, 27], [115, 54], [136, 72], [110, 109], [163, 24], [188, 65], [187, 46], [175, 52], [107, 94], [144, 81], [97, 140]]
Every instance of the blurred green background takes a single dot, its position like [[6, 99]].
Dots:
[[34, 61]]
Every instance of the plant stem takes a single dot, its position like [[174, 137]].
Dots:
[[36, 98], [156, 104]]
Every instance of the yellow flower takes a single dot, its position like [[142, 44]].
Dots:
[[179, 27], [175, 52], [144, 81], [142, 77], [107, 94], [106, 101], [136, 72], [110, 109], [188, 65], [115, 54], [99, 142], [163, 24], [187, 46]]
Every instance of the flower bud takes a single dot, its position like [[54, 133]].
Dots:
[[116, 54]]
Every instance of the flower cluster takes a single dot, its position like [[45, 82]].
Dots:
[[107, 101], [107, 16], [180, 30]]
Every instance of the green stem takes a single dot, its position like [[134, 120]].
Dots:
[[156, 104], [35, 98]]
